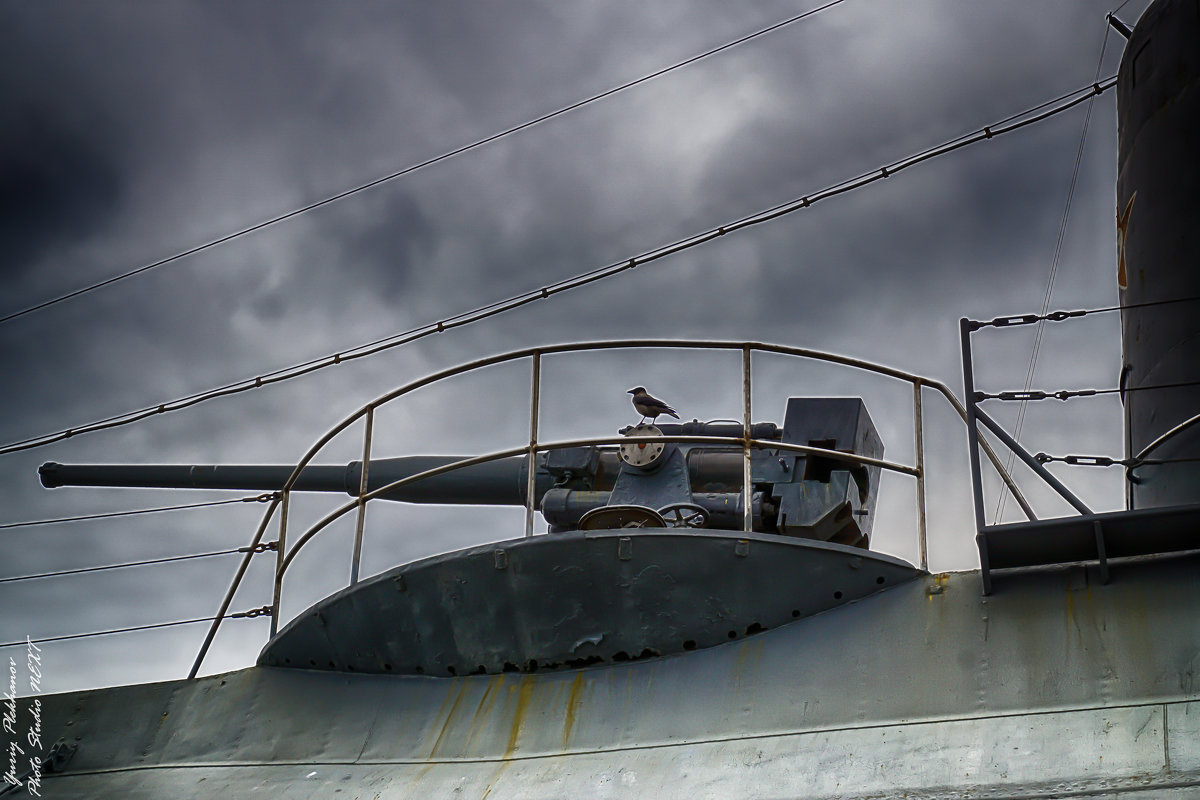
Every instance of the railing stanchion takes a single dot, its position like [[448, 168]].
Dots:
[[964, 333], [531, 458], [747, 487], [362, 503], [279, 554], [919, 443]]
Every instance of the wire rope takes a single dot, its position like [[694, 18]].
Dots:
[[262, 498], [107, 632], [1046, 110], [1055, 260], [120, 566]]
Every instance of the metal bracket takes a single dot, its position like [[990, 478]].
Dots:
[[265, 611]]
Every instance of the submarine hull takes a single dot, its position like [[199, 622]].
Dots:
[[1053, 685]]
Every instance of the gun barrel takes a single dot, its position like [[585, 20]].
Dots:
[[494, 483]]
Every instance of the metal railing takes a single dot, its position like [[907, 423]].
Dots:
[[976, 416], [281, 501]]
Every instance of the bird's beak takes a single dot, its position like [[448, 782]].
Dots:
[[631, 391]]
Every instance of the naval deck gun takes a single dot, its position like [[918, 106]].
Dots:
[[661, 539], [637, 484]]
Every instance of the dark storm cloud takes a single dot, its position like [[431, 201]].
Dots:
[[56, 186]]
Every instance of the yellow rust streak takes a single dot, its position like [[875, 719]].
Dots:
[[746, 659], [940, 581], [524, 693], [572, 708], [486, 701], [462, 690]]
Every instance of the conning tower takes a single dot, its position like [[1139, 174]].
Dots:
[[1158, 250]]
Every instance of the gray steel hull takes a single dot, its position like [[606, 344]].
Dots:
[[1055, 685]]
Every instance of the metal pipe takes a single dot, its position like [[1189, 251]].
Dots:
[[356, 558], [919, 445], [496, 485], [747, 487], [964, 332], [1118, 26], [179, 476], [1180, 428], [530, 460], [280, 549]]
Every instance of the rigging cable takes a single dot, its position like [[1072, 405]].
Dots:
[[120, 566], [1055, 259], [1044, 111], [420, 165], [261, 498], [1061, 316], [258, 612]]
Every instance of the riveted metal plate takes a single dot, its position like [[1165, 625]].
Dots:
[[563, 601]]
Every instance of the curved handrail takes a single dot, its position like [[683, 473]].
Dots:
[[917, 382], [342, 510], [1178, 429], [528, 352]]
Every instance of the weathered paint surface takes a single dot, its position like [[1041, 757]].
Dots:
[[577, 599], [1158, 200], [1054, 685]]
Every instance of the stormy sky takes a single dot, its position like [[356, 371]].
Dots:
[[132, 131]]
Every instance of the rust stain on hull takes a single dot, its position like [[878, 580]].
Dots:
[[573, 696], [483, 710], [462, 690], [524, 694]]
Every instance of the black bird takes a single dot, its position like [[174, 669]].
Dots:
[[649, 406]]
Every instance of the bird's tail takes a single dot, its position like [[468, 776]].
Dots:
[[671, 412]]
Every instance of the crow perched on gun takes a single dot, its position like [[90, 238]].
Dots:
[[649, 406]]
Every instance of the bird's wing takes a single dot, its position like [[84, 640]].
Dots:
[[659, 405]]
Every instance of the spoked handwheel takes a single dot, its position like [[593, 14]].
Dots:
[[684, 515]]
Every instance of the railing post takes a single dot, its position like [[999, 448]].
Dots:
[[747, 488], [279, 554], [919, 444], [531, 457], [362, 504], [964, 333]]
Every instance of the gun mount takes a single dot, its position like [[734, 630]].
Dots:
[[652, 484], [662, 539]]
